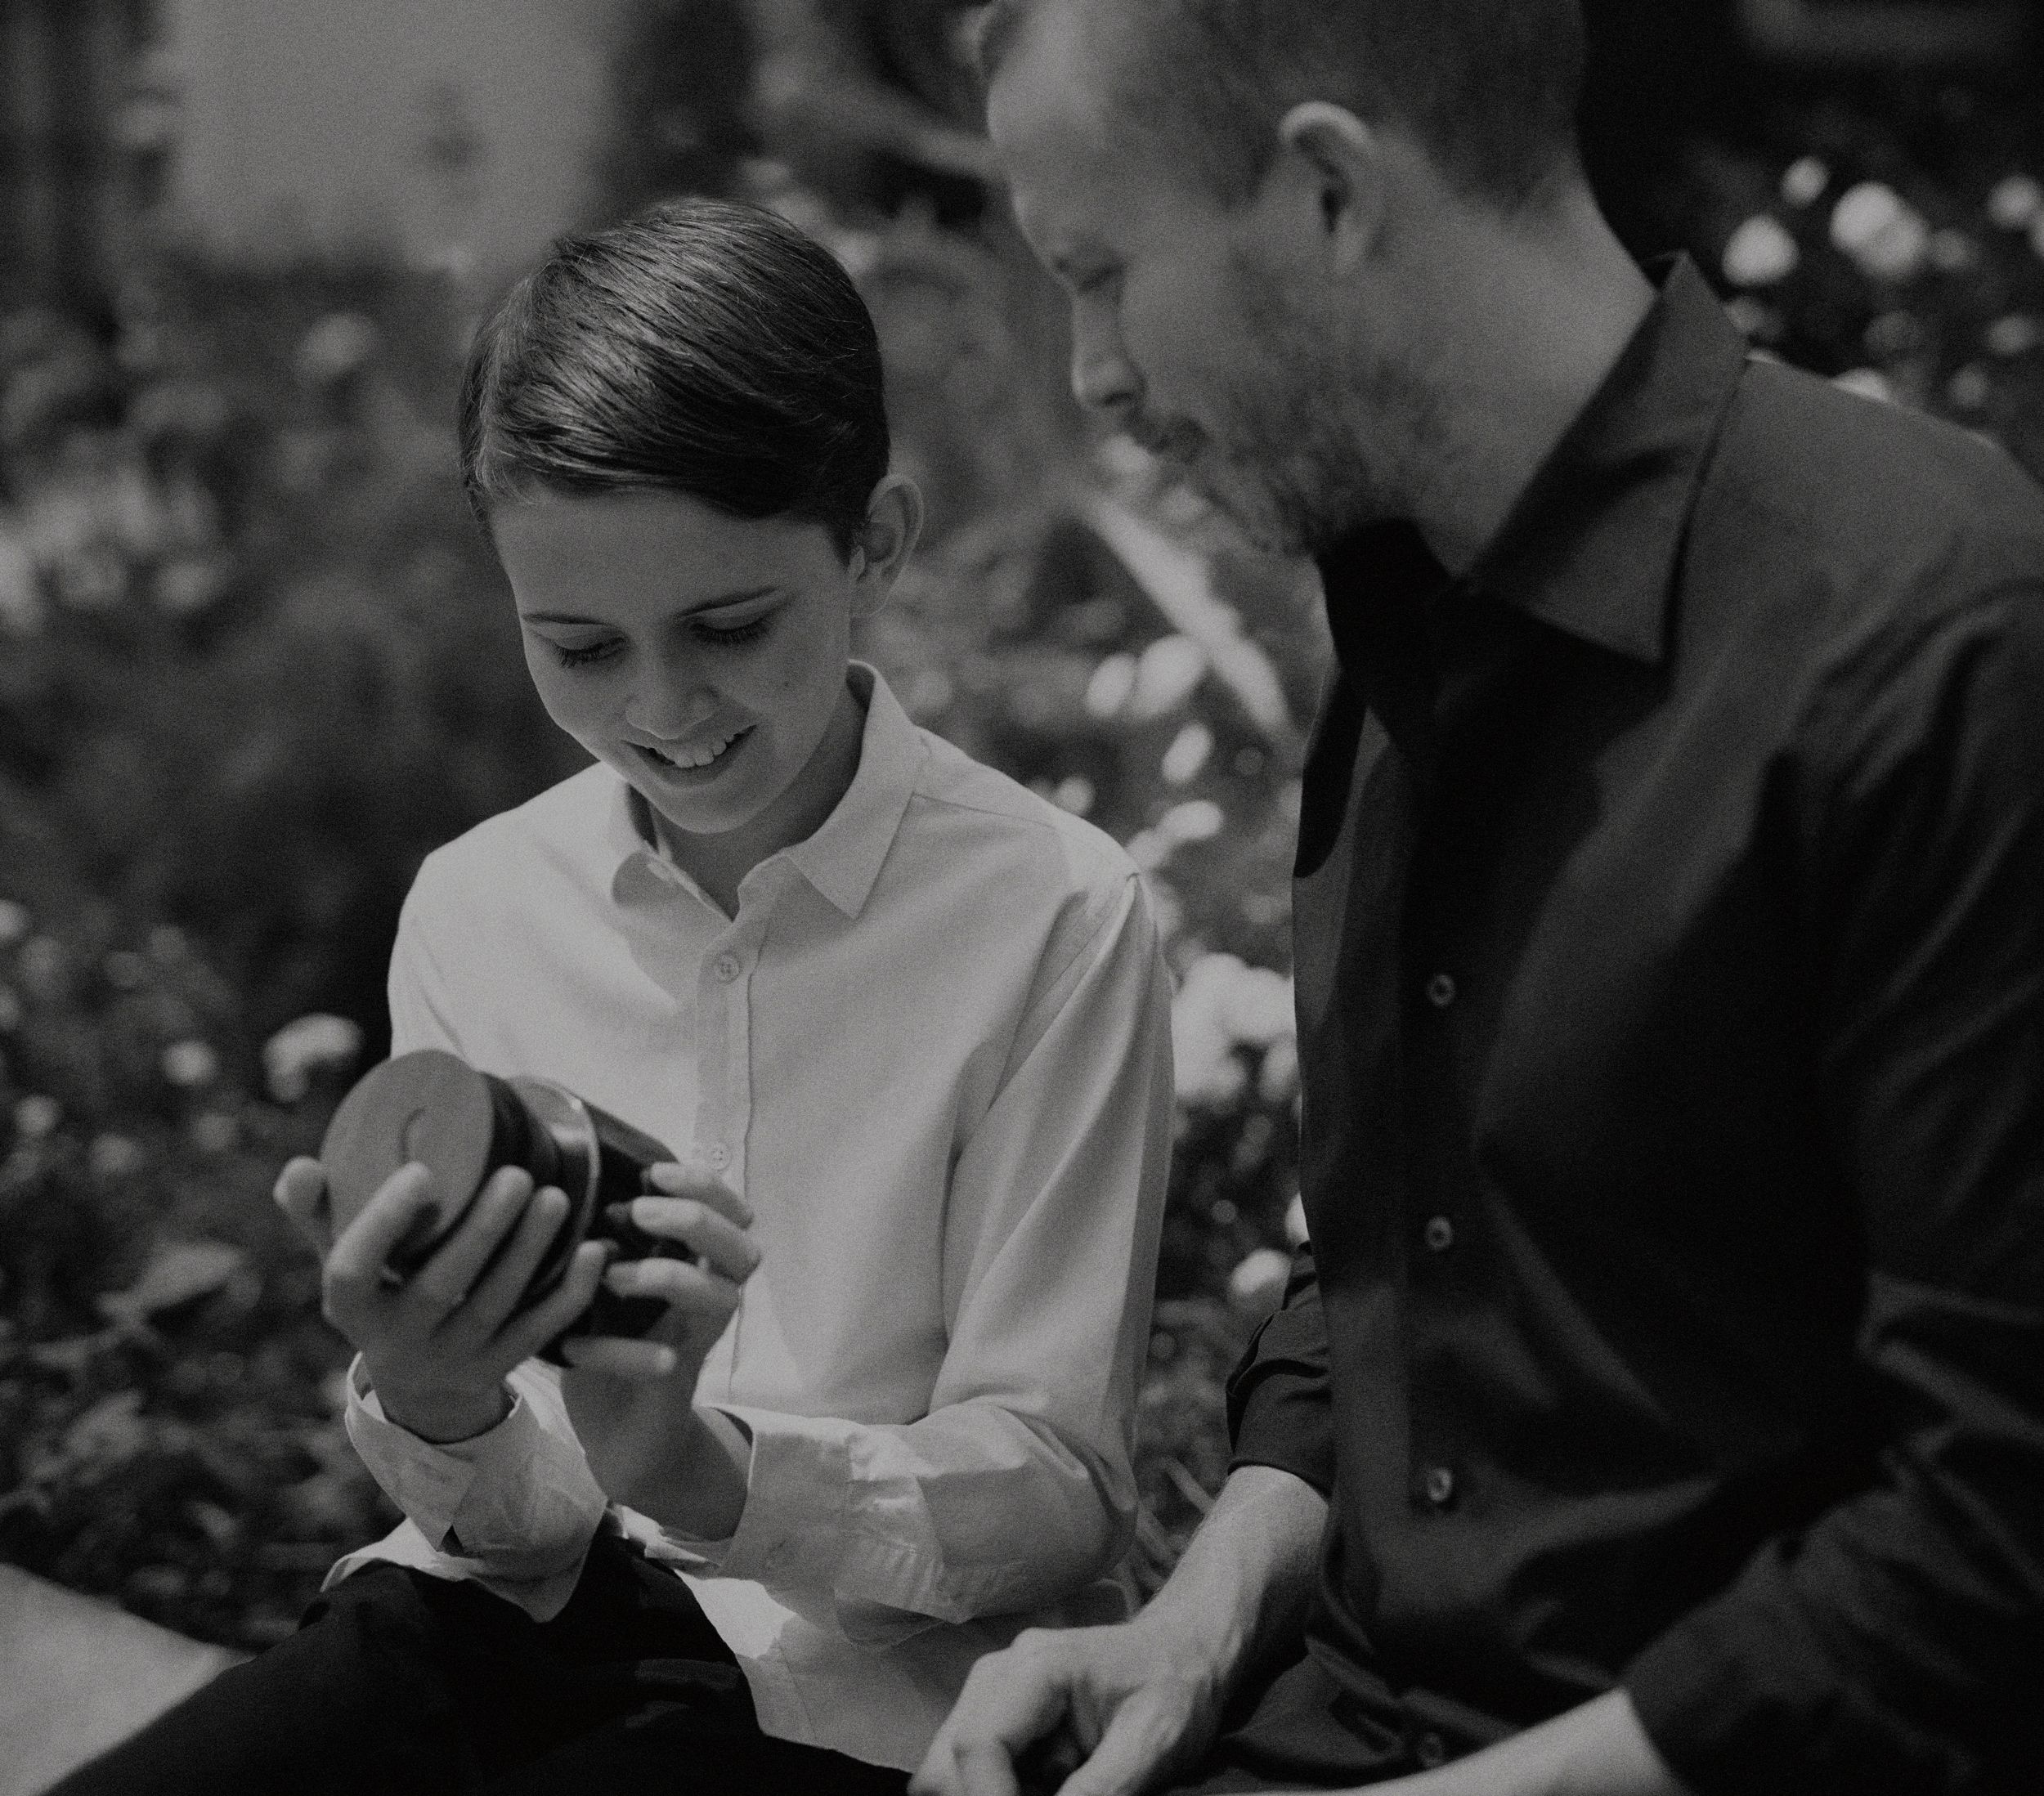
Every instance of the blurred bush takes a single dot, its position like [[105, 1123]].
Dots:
[[254, 663]]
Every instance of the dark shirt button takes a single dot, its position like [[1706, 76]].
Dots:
[[1431, 1750], [1441, 1486], [1441, 1234], [1441, 991]]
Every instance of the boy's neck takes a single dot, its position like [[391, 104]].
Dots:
[[719, 863]]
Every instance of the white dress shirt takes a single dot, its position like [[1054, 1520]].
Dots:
[[931, 1051]]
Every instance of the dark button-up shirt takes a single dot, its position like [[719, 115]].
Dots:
[[1669, 915]]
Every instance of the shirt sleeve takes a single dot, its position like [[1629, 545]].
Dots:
[[1018, 1486], [1896, 1644], [516, 1506], [1278, 1409]]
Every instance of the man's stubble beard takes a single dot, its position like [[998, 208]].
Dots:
[[1315, 446]]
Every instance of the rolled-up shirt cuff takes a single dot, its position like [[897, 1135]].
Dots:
[[516, 1491], [792, 1532]]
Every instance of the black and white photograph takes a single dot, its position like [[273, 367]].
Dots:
[[1021, 898]]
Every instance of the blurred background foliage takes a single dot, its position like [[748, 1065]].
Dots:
[[255, 662]]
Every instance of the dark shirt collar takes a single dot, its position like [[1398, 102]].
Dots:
[[1590, 547]]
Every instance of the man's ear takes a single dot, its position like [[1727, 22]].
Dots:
[[1338, 160], [893, 522]]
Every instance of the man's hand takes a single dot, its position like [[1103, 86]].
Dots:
[[633, 1401], [438, 1343], [1111, 1711], [1127, 1705]]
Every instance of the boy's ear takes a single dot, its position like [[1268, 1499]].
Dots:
[[893, 521]]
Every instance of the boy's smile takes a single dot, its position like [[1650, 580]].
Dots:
[[700, 656]]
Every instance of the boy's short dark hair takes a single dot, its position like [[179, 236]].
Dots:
[[704, 347], [1488, 87]]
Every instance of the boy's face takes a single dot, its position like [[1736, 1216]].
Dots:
[[700, 656]]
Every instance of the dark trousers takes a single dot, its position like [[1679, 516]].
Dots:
[[396, 1682]]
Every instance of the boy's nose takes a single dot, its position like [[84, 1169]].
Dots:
[[669, 713]]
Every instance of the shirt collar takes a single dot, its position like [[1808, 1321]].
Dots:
[[842, 860], [1591, 546]]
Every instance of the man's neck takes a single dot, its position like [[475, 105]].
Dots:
[[1534, 321]]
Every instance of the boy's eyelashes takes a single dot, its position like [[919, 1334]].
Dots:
[[715, 635]]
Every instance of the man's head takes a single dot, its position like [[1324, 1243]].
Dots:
[[1262, 209]]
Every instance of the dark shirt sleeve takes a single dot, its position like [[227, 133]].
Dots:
[[1897, 1643], [1277, 1395]]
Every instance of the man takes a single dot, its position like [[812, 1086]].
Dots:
[[1661, 1403]]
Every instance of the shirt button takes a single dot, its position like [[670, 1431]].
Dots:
[[1441, 1486], [717, 1155], [728, 967], [1441, 991], [1441, 1234], [1431, 1750]]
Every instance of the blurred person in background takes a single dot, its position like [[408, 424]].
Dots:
[[1658, 1403], [906, 1023]]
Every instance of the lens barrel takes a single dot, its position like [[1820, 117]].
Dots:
[[463, 1125]]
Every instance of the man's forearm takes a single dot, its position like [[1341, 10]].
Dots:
[[1240, 1590], [1596, 1749]]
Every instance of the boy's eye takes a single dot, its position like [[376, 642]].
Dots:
[[734, 635], [584, 656]]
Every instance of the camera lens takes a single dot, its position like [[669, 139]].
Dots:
[[463, 1126]]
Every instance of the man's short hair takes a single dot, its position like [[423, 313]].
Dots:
[[1489, 88]]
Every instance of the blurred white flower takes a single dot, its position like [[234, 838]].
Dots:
[[36, 1116], [1258, 1007], [1075, 794], [1150, 848], [14, 922], [1885, 236], [1196, 820], [1756, 317], [190, 1063], [1295, 1221], [1112, 681], [1187, 754], [45, 968], [1277, 1081], [334, 347], [2017, 335], [113, 1157], [125, 970], [1804, 179], [1869, 383], [1953, 252], [2015, 203], [1166, 674], [213, 1131], [1258, 1283], [1760, 253], [302, 1047], [20, 592], [1969, 387], [188, 583]]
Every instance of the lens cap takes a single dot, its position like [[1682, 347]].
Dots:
[[427, 1106]]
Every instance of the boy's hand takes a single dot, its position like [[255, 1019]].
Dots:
[[439, 1342], [632, 1401]]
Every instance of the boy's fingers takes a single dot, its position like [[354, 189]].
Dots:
[[497, 1292], [525, 1335], [447, 1278], [363, 1247], [723, 1245], [696, 1291], [677, 1180], [300, 1192], [644, 1362]]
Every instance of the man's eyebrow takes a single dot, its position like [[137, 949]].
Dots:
[[714, 604]]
